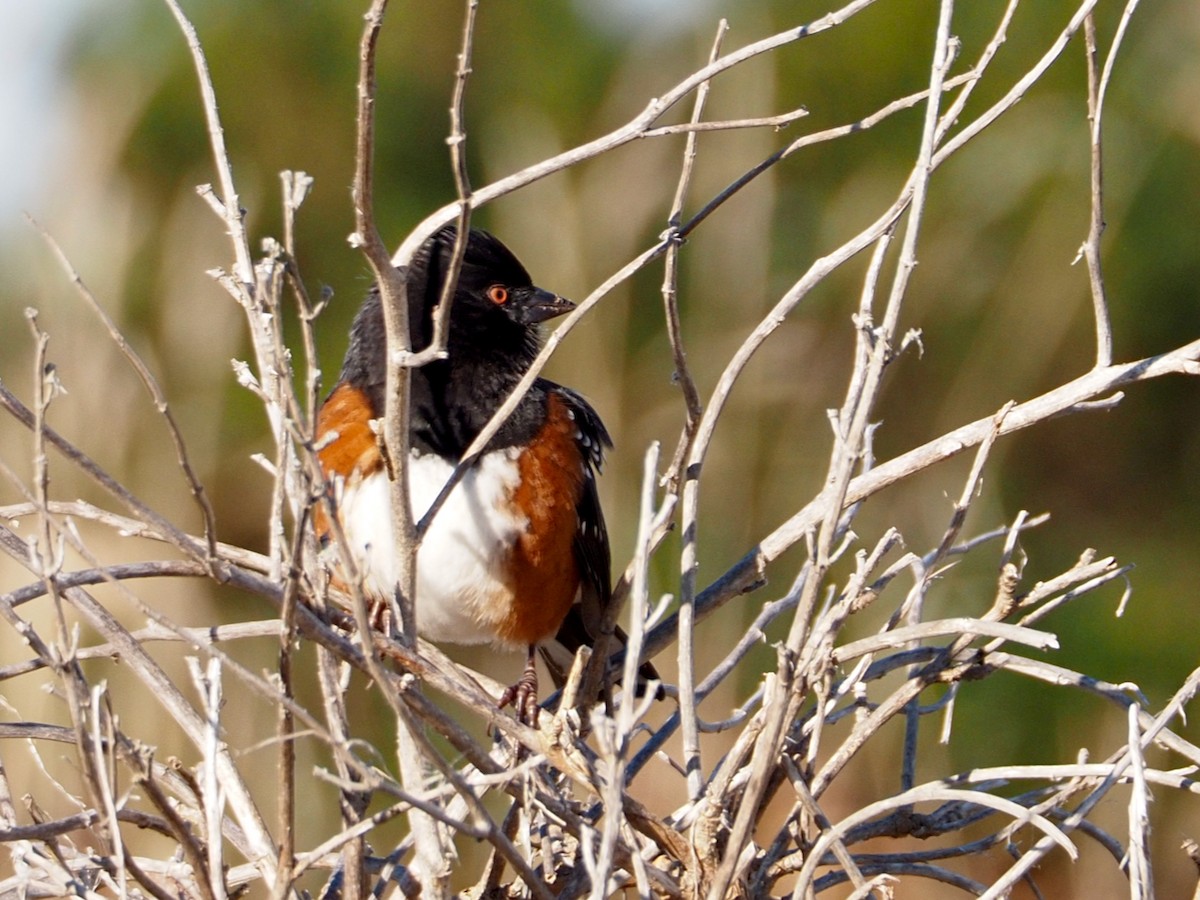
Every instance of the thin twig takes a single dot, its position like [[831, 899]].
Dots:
[[192, 546], [230, 207], [1067, 398], [791, 683], [1090, 251], [149, 382], [690, 484], [695, 126], [633, 130], [394, 299]]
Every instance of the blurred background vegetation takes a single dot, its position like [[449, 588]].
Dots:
[[1004, 314]]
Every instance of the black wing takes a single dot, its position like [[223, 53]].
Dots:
[[592, 553]]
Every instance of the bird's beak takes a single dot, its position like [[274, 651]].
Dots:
[[535, 305]]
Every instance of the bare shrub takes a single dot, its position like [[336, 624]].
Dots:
[[568, 809]]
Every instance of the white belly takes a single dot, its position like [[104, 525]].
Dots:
[[461, 594]]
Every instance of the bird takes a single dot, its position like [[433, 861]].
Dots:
[[518, 556]]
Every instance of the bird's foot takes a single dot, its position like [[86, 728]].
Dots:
[[379, 614], [523, 695]]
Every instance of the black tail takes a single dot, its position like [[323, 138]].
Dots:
[[559, 652]]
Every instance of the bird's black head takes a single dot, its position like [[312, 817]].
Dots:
[[493, 318], [496, 305]]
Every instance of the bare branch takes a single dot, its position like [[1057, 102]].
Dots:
[[228, 206]]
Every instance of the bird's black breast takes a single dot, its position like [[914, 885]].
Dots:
[[450, 407]]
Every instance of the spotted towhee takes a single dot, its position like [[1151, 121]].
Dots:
[[518, 555]]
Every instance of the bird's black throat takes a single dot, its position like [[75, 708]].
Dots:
[[452, 399]]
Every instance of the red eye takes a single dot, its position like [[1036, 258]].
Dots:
[[498, 294]]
